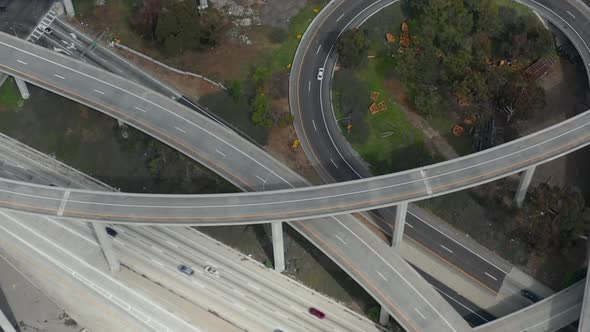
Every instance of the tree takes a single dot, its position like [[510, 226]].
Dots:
[[235, 90], [181, 27], [555, 217], [145, 19], [352, 47], [261, 112]]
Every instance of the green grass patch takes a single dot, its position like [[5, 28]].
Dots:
[[84, 7], [10, 97], [386, 140], [463, 145], [299, 23]]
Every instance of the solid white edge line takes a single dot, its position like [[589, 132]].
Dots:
[[491, 276]]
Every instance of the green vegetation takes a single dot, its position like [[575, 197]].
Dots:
[[554, 218], [352, 47], [278, 35], [573, 277], [268, 80], [386, 140], [84, 7], [177, 26], [261, 112], [234, 89], [450, 67], [457, 55], [10, 96], [373, 314]]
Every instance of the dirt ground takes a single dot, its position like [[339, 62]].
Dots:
[[280, 145], [434, 140], [189, 85]]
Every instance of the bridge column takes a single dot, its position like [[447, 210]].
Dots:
[[3, 78], [400, 221], [523, 186], [106, 244], [5, 323], [69, 6], [22, 87], [383, 317], [584, 324], [278, 248]]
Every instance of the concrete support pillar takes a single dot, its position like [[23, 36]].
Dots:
[[523, 186], [5, 323], [278, 247], [3, 78], [22, 87], [203, 4], [106, 244], [383, 317], [400, 221], [69, 6], [584, 324]]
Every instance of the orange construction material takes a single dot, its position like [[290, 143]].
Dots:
[[296, 144], [382, 107], [390, 37], [404, 40], [458, 130], [375, 95], [374, 109]]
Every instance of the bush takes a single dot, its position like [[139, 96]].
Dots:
[[261, 112], [235, 90], [180, 27], [285, 120], [373, 314], [277, 35], [352, 47]]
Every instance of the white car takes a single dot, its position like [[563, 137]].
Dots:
[[320, 74], [212, 271]]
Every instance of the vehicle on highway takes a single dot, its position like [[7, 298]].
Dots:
[[321, 74], [530, 295], [186, 269], [111, 231], [212, 271], [319, 314]]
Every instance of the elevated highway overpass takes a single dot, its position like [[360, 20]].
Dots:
[[415, 186], [416, 305]]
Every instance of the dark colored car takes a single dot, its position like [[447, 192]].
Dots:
[[111, 231], [317, 313], [186, 269], [530, 295]]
